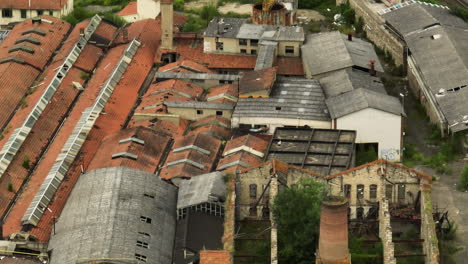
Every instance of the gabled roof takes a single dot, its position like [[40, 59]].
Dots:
[[185, 66], [387, 163], [161, 125], [140, 148], [190, 156], [130, 9], [199, 105], [330, 51], [346, 80], [238, 161], [438, 44], [206, 188], [255, 81], [248, 143], [34, 4], [360, 99], [215, 126], [227, 93]]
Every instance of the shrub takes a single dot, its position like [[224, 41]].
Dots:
[[460, 12], [115, 19], [26, 164], [463, 184], [314, 26], [10, 187], [179, 5]]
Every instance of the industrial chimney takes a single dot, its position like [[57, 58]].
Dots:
[[333, 240], [167, 22]]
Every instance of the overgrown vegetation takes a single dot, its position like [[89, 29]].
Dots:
[[463, 184], [460, 12], [198, 19], [26, 163], [387, 57], [23, 103], [362, 253], [10, 187], [447, 247], [120, 3], [79, 14], [364, 156], [253, 239], [296, 211]]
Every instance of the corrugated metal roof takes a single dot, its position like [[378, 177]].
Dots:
[[204, 188]]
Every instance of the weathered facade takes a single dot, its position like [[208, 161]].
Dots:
[[16, 11]]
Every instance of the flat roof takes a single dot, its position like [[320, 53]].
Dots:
[[323, 151]]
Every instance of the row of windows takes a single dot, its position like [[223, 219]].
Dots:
[[8, 12], [373, 191], [218, 113]]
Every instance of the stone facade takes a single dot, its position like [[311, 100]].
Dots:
[[428, 233]]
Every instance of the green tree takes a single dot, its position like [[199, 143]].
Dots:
[[208, 12], [296, 211], [463, 185], [179, 5]]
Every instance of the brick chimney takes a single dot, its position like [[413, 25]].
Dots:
[[333, 240], [167, 22], [372, 68]]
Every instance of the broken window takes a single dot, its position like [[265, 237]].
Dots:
[[219, 46], [360, 191], [253, 52], [219, 113], [389, 191], [252, 210], [265, 212], [360, 213], [40, 12], [373, 191], [7, 12], [347, 190], [142, 244], [254, 42], [401, 191], [243, 51], [243, 42], [289, 50], [140, 257], [23, 13], [253, 190], [199, 112], [145, 219]]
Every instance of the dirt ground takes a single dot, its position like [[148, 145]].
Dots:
[[236, 8]]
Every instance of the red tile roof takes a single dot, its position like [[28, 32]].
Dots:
[[185, 66], [214, 126], [227, 93], [238, 162], [13, 89], [130, 9], [215, 257], [116, 111], [192, 49], [158, 124], [33, 4], [148, 145], [257, 81], [187, 170], [290, 66], [249, 141], [43, 130]]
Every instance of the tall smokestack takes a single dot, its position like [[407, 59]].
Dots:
[[333, 240], [167, 22]]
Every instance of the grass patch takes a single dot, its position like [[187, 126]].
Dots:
[[26, 163], [10, 187], [463, 183]]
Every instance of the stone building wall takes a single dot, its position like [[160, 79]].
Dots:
[[385, 233], [428, 232]]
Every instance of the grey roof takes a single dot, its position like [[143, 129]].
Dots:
[[196, 76], [360, 99], [199, 105], [102, 218], [438, 42], [224, 27], [237, 28], [343, 81], [265, 57], [323, 151], [204, 188], [290, 98], [330, 51]]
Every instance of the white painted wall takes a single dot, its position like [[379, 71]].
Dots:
[[375, 126], [148, 9], [131, 18], [272, 123]]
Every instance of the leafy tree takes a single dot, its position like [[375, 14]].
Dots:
[[460, 12], [349, 15], [179, 5], [296, 211], [463, 185], [208, 12]]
